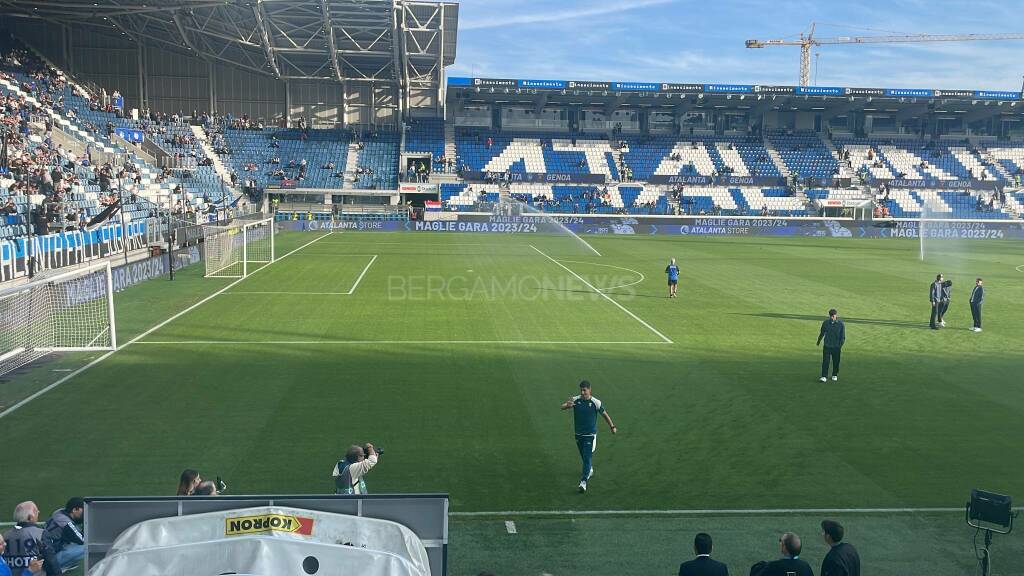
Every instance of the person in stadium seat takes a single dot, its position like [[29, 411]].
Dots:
[[63, 535], [585, 408], [842, 558], [789, 565], [23, 541], [348, 473], [703, 564], [833, 331]]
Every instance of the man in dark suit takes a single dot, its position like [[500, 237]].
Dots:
[[935, 297], [703, 565], [833, 331], [789, 565], [842, 558], [977, 299]]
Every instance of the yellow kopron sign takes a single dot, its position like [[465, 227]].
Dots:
[[268, 523]]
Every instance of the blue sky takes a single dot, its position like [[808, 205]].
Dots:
[[702, 41]]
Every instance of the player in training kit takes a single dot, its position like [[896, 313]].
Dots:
[[673, 278], [585, 409]]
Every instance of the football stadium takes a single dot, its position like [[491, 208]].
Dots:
[[249, 246]]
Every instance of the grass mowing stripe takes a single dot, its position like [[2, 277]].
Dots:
[[371, 342], [605, 296], [708, 512], [32, 397], [693, 512], [360, 279]]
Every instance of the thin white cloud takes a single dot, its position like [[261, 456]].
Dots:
[[539, 15]]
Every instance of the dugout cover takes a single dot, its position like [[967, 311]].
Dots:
[[265, 540], [256, 556]]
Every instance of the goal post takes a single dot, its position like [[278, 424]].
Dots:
[[69, 312], [231, 250]]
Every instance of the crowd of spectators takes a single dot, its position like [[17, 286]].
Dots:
[[31, 548]]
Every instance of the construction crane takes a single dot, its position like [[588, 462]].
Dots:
[[807, 40]]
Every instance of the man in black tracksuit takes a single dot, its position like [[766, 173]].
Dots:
[[947, 290], [977, 299], [833, 331], [935, 297]]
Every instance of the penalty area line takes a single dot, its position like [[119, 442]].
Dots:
[[32, 397], [605, 296], [360, 279]]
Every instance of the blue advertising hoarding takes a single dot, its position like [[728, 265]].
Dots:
[[833, 91], [684, 226]]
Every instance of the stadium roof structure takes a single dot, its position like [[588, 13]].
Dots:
[[971, 105], [402, 42]]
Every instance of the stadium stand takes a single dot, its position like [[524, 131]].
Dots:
[[271, 155], [804, 153], [427, 135]]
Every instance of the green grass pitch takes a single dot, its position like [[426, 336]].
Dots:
[[453, 351]]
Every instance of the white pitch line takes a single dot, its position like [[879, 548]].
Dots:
[[641, 274], [360, 279], [710, 512], [605, 296], [1019, 268], [370, 342], [292, 293], [28, 399]]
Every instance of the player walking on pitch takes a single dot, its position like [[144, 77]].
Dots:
[[585, 409], [673, 277]]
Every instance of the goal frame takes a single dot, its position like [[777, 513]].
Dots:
[[244, 229], [41, 351]]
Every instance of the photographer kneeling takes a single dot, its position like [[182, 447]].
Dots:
[[348, 473]]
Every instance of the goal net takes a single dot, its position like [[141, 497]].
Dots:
[[73, 311], [237, 249]]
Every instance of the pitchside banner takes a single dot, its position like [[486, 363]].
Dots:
[[717, 180], [687, 226], [963, 184], [535, 178], [134, 273]]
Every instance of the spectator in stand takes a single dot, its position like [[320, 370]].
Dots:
[[789, 565], [10, 211], [703, 564], [842, 558], [63, 536], [23, 553]]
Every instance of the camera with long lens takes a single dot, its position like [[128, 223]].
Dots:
[[377, 449]]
